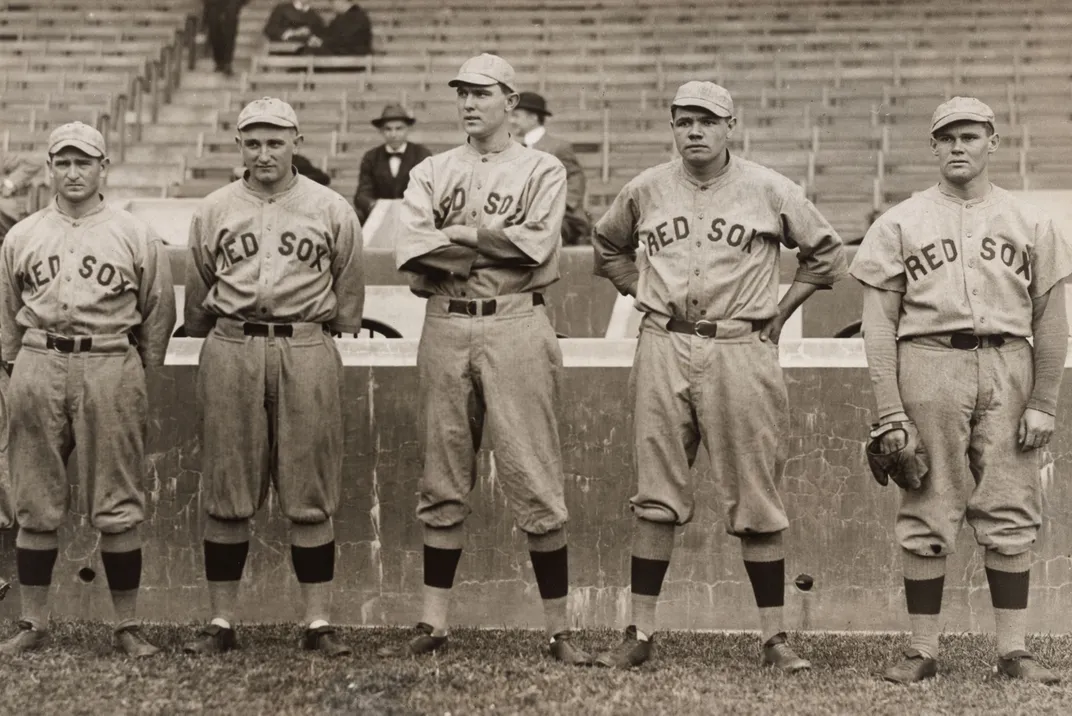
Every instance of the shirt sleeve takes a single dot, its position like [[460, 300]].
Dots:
[[200, 277], [156, 303], [820, 252], [614, 243], [422, 247], [348, 273], [10, 302], [1051, 261], [878, 259], [531, 242]]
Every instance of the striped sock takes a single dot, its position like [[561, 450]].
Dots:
[[924, 579], [1010, 581], [653, 545], [764, 560]]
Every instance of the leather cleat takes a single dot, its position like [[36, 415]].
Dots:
[[562, 649], [27, 639], [1022, 665], [778, 653], [629, 653], [423, 643], [912, 669], [213, 639], [323, 639], [130, 641]]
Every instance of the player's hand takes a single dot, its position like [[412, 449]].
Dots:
[[7, 188], [773, 330], [314, 41], [1036, 429], [894, 440]]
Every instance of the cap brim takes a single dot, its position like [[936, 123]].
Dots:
[[471, 78], [715, 109], [380, 121], [77, 144], [272, 121], [536, 110], [961, 117]]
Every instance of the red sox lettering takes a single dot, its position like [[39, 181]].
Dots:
[[37, 273], [937, 254], [453, 204], [238, 247], [735, 234]]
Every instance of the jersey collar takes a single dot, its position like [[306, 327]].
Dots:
[[260, 195], [84, 217], [695, 183]]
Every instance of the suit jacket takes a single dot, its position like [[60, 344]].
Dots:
[[348, 34], [287, 17], [576, 184], [375, 180]]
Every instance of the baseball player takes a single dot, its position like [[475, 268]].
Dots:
[[695, 241], [86, 305], [955, 280], [274, 269], [480, 240]]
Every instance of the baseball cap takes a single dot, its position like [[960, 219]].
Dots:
[[485, 70], [960, 109], [78, 135], [268, 110], [707, 95]]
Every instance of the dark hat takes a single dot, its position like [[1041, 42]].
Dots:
[[393, 112], [533, 103]]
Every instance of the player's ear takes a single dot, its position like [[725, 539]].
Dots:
[[731, 124], [993, 141], [105, 162], [511, 101], [298, 139], [934, 146]]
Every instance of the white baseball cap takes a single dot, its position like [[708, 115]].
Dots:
[[961, 109], [78, 135], [485, 70], [268, 110], [706, 95]]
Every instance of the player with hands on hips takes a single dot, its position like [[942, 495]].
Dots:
[[956, 279], [480, 239], [274, 268], [696, 242], [86, 305]]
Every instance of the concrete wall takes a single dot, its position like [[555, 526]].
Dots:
[[841, 531]]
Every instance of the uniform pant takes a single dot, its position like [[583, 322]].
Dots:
[[221, 19], [967, 407], [502, 370], [92, 404], [727, 393], [271, 413]]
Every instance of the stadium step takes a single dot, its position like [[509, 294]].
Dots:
[[155, 174], [155, 153], [206, 79]]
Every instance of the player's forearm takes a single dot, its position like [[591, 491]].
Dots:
[[794, 298], [1050, 333], [497, 245], [450, 259], [881, 313], [617, 266]]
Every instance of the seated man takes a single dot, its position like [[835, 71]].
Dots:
[[348, 34], [385, 169], [528, 124], [20, 174], [293, 21]]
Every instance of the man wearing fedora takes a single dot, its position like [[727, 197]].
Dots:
[[385, 169], [528, 120]]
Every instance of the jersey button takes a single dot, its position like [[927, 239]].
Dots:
[[484, 160], [975, 292], [703, 312], [472, 214], [695, 302], [697, 272], [971, 263]]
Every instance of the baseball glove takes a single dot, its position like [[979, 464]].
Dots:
[[907, 467]]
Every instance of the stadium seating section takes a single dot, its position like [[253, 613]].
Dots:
[[835, 95]]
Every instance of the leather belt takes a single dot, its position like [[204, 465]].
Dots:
[[702, 328], [76, 344], [483, 306], [281, 330], [970, 341]]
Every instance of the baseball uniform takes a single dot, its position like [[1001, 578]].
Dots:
[[488, 355], [269, 278], [86, 303], [967, 274], [701, 259]]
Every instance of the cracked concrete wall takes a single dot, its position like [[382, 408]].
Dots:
[[840, 533]]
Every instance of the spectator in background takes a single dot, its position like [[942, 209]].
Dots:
[[348, 34], [385, 169], [21, 173], [528, 123], [221, 26], [295, 21]]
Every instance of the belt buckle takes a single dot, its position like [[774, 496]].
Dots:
[[471, 307], [974, 346], [698, 328], [58, 341]]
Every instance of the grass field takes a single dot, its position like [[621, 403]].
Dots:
[[503, 671]]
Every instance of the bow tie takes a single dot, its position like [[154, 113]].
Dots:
[[394, 153]]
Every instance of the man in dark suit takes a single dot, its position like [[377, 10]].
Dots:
[[385, 169], [294, 20], [348, 34], [528, 123], [221, 25]]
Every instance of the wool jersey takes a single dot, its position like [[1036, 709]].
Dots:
[[709, 250]]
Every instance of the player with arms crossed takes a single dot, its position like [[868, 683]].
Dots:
[[274, 268], [86, 305], [696, 242], [955, 280], [480, 239]]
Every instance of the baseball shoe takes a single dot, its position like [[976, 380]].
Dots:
[[563, 650], [913, 668], [1022, 665], [323, 639], [213, 639], [629, 653], [27, 639], [778, 653], [130, 641], [423, 643], [5, 587]]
